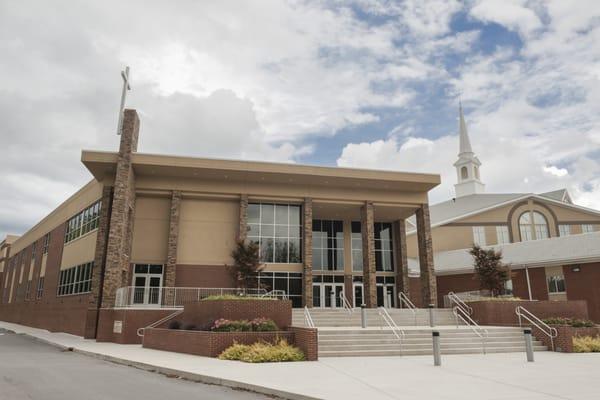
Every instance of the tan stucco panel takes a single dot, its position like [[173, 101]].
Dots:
[[79, 251], [566, 214], [499, 214], [151, 230], [207, 231]]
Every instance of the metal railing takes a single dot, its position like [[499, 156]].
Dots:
[[546, 329], [346, 304], [454, 299], [276, 294], [389, 321], [173, 297], [483, 333], [140, 331], [406, 303], [307, 318]]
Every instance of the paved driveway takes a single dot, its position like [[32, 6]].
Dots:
[[33, 370]]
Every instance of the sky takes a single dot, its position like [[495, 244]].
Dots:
[[354, 83]]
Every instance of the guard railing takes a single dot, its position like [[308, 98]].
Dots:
[[406, 303], [461, 314], [346, 304], [546, 329], [308, 319], [391, 324], [458, 302]]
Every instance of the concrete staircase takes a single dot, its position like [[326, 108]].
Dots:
[[403, 317], [376, 342]]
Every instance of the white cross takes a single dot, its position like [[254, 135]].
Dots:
[[126, 87]]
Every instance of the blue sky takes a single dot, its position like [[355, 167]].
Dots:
[[357, 83]]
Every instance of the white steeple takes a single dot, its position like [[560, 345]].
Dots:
[[467, 165]]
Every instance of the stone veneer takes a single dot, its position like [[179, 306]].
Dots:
[[170, 267], [116, 273], [402, 279], [428, 282], [367, 220], [243, 229], [307, 276]]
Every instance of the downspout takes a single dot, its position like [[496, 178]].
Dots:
[[528, 283]]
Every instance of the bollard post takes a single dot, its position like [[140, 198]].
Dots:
[[431, 321], [363, 315], [437, 353], [528, 344], [332, 300]]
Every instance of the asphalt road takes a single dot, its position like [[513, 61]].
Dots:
[[34, 370]]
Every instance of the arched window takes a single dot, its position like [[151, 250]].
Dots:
[[537, 226], [464, 174]]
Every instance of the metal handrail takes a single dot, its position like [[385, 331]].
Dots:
[[460, 303], [307, 318], [140, 331], [406, 301], [276, 294], [385, 316], [346, 304], [474, 326], [546, 329]]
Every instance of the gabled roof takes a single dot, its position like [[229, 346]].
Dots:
[[560, 195]]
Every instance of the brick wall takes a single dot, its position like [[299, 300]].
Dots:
[[584, 285], [564, 341], [131, 321], [503, 312], [307, 340]]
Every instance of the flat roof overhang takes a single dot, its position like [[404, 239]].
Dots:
[[103, 164]]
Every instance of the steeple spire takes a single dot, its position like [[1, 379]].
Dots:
[[467, 165]]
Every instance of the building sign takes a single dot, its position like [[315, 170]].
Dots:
[[118, 327]]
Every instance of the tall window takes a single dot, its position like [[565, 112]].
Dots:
[[479, 235], [84, 222], [464, 174], [528, 226], [384, 257], [587, 228], [33, 251], [502, 234], [556, 284], [564, 230], [328, 245], [46, 243], [357, 253], [40, 288], [277, 230], [75, 280]]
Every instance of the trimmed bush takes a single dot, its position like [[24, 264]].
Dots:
[[263, 325], [225, 325], [263, 352], [174, 325], [574, 322], [586, 344], [235, 297]]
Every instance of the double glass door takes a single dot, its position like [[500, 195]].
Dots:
[[386, 295], [327, 295], [147, 282]]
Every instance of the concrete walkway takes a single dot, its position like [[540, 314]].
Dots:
[[461, 377]]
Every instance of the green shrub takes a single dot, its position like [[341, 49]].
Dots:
[[574, 322], [586, 344], [263, 352], [174, 325], [235, 297], [264, 325], [225, 325]]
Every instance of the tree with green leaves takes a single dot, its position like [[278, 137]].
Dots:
[[246, 264], [490, 270]]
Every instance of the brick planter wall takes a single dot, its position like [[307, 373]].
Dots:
[[211, 344], [131, 320], [205, 312], [307, 340], [503, 312], [564, 341]]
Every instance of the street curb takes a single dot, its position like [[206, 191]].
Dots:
[[194, 377]]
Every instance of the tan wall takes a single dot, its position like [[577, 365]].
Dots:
[[566, 214], [207, 231], [151, 230], [499, 214], [79, 251], [12, 287], [80, 200]]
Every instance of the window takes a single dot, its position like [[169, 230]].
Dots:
[[75, 280], [527, 226], [357, 253], [290, 282], [40, 288], [277, 231], [479, 235], [28, 290], [384, 257], [564, 230], [464, 174], [33, 251], [84, 222], [46, 243], [556, 284], [502, 234], [587, 228], [328, 245]]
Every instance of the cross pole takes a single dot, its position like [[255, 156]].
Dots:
[[126, 87]]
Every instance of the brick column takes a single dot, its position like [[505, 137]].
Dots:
[[307, 275], [368, 248], [402, 279], [243, 230], [171, 267], [428, 282], [116, 272]]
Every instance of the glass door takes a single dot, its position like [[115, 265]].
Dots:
[[386, 295], [358, 294], [147, 282], [327, 295]]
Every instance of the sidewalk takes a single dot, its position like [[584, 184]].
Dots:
[[461, 377]]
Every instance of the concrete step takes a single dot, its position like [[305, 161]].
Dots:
[[407, 352], [408, 340], [422, 346]]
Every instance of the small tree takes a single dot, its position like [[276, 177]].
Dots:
[[492, 273], [246, 264]]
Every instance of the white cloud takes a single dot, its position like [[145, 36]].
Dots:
[[553, 170], [514, 14]]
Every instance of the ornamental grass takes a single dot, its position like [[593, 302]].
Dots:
[[586, 344], [261, 352]]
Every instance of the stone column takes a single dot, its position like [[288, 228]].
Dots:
[[117, 267], [307, 276], [367, 220], [171, 267], [428, 282], [243, 230], [402, 279]]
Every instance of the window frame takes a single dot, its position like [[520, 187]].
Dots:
[[564, 230], [479, 235], [502, 232], [553, 282], [83, 222], [328, 245], [75, 280]]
